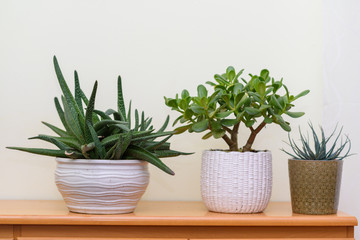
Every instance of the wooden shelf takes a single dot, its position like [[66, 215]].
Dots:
[[182, 220]]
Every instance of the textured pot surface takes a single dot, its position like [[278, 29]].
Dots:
[[235, 182], [101, 186], [315, 186]]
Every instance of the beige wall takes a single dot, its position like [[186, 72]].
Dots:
[[159, 48]]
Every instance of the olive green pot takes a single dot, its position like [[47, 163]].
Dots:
[[315, 186]]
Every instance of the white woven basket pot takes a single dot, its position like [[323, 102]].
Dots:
[[235, 182], [101, 186]]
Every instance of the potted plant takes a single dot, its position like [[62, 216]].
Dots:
[[315, 172], [101, 158], [236, 180]]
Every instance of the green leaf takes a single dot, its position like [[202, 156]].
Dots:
[[207, 135], [182, 129], [211, 83], [200, 126], [264, 74], [223, 114], [202, 92], [121, 146], [169, 153], [230, 73], [268, 120], [249, 123], [52, 140], [136, 152], [121, 104], [285, 126], [61, 114], [260, 88], [89, 113], [41, 151], [163, 127], [78, 92], [98, 147], [102, 114], [252, 111], [303, 93], [229, 122], [57, 130], [73, 122], [220, 79], [73, 107], [219, 133], [295, 114], [197, 109], [185, 93], [275, 102]]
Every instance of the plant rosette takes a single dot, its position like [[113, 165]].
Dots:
[[102, 159], [237, 180], [315, 173]]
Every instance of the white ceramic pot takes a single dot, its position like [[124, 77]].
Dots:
[[235, 182], [101, 186]]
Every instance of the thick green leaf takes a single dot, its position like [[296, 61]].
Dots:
[[61, 114], [208, 135], [252, 111], [78, 92], [57, 130], [73, 122], [285, 126], [136, 152], [98, 147], [230, 73], [182, 129], [229, 122], [185, 93], [122, 144], [295, 114], [219, 133], [52, 140], [303, 93], [89, 113], [264, 74], [169, 153], [275, 102], [120, 101], [41, 151], [260, 88], [200, 126], [73, 107], [202, 92], [164, 126], [223, 114]]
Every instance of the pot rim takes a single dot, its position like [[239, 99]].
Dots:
[[237, 152], [99, 161], [312, 160]]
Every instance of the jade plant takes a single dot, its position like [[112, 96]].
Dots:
[[255, 102], [321, 147], [93, 134]]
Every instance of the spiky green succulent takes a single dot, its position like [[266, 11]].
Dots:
[[93, 134], [322, 149]]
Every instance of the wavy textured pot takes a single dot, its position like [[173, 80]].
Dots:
[[315, 186], [101, 186], [235, 182]]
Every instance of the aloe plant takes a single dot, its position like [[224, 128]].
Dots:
[[255, 103], [93, 134], [322, 149]]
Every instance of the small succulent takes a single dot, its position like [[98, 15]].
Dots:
[[322, 149], [255, 103], [93, 134]]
